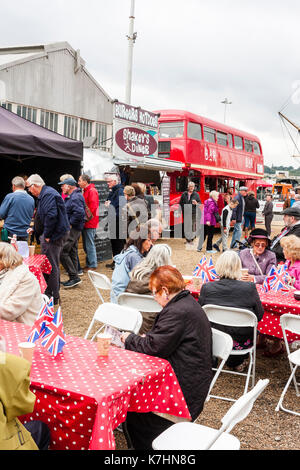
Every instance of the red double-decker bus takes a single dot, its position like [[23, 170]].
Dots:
[[215, 156]]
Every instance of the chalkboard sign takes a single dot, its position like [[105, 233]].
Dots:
[[102, 241]]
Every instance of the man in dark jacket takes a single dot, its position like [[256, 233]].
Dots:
[[189, 202], [76, 214], [51, 226], [114, 204], [291, 218], [268, 213]]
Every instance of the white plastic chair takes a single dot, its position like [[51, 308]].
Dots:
[[99, 281], [221, 348], [144, 303], [236, 317], [291, 323], [119, 317], [192, 436]]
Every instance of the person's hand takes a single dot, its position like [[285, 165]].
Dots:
[[194, 202], [29, 230], [225, 230], [47, 240], [124, 336], [248, 277], [207, 223], [107, 203]]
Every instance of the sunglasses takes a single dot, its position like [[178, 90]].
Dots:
[[260, 244]]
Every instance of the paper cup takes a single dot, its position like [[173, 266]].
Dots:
[[26, 350], [244, 271], [31, 250], [103, 344]]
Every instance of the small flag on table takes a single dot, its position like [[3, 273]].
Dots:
[[54, 337], [205, 270], [44, 317], [277, 279]]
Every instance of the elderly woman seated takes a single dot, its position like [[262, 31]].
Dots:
[[159, 255], [181, 334], [258, 259], [20, 293], [230, 291]]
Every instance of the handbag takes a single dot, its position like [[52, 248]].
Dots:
[[217, 217]]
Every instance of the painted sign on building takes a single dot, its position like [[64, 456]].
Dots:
[[135, 133]]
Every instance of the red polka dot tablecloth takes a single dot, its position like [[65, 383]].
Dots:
[[39, 264], [83, 397], [275, 304]]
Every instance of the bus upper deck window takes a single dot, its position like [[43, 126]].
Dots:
[[248, 146], [171, 130], [209, 134], [194, 131], [256, 148], [229, 138], [238, 143], [222, 138]]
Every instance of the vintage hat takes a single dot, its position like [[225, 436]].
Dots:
[[258, 233], [292, 211], [68, 181]]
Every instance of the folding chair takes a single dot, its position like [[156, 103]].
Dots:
[[192, 436], [144, 303], [222, 346], [230, 316], [117, 316], [99, 281], [291, 323]]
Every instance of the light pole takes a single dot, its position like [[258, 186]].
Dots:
[[131, 40], [225, 102]]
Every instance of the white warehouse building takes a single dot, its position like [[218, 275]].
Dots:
[[50, 86]]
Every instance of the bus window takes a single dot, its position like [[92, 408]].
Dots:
[[209, 134], [222, 138], [256, 148], [181, 184], [248, 146], [194, 131], [238, 143], [222, 185], [210, 184], [171, 130], [230, 143]]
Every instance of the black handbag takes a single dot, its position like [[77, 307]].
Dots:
[[217, 217]]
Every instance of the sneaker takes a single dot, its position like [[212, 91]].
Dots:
[[72, 283], [80, 273], [216, 247], [211, 251]]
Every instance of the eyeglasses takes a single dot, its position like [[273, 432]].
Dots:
[[263, 244]]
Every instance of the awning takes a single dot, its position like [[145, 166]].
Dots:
[[21, 139], [151, 163], [263, 183]]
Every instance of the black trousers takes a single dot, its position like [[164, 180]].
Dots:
[[40, 433], [142, 428], [69, 254], [209, 233], [53, 250], [268, 221]]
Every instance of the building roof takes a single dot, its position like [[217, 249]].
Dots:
[[12, 56]]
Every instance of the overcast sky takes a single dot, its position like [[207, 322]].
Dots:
[[188, 55]]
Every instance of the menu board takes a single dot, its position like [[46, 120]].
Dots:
[[102, 241]]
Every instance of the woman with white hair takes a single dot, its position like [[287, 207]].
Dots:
[[20, 293], [230, 291], [210, 218], [159, 255]]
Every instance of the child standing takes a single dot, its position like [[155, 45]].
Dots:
[[225, 225]]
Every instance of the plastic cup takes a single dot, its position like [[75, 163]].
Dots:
[[31, 250], [26, 350], [103, 344], [244, 271]]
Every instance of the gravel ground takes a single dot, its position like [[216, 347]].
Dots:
[[263, 429]]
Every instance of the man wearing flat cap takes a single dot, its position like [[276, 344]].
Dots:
[[291, 218], [76, 214]]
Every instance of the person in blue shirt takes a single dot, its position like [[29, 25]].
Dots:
[[17, 211]]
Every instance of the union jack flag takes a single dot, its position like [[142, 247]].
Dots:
[[276, 279], [205, 270], [38, 326], [54, 336]]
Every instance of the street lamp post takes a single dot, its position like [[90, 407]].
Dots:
[[225, 102], [131, 40]]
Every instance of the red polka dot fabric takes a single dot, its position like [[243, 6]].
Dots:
[[39, 264], [83, 397]]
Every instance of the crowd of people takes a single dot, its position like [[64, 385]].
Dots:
[[140, 265]]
